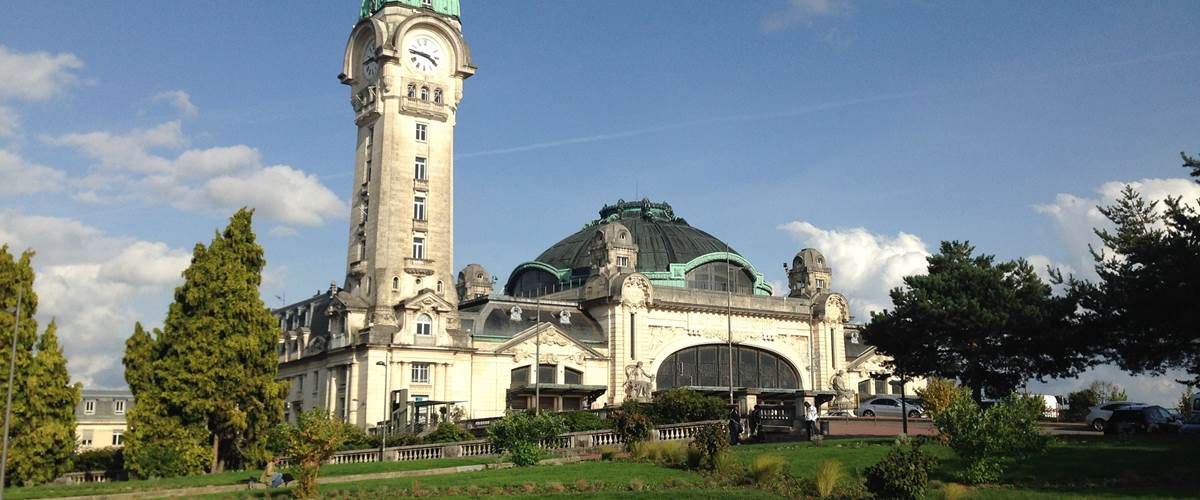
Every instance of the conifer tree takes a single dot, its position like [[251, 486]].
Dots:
[[214, 366], [42, 452], [139, 350]]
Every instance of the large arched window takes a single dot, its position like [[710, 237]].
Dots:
[[718, 275], [708, 366]]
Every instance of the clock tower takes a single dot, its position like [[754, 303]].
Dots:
[[405, 64]]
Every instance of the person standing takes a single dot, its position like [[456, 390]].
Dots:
[[756, 421], [735, 426], [810, 418]]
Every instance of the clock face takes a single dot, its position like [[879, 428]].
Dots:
[[425, 53], [370, 67]]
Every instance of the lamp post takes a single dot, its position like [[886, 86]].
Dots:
[[12, 361], [387, 407]]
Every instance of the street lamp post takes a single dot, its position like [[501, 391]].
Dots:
[[12, 361], [387, 407]]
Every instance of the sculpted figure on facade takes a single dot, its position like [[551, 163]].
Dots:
[[638, 384], [843, 395], [514, 314]]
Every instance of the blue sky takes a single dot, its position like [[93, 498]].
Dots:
[[870, 130]]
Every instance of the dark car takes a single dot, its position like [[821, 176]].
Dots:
[[1141, 419]]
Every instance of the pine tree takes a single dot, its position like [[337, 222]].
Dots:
[[214, 366], [43, 452]]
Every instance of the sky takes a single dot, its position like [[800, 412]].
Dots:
[[130, 131]]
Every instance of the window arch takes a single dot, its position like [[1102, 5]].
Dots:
[[717, 275], [424, 93], [424, 325], [708, 365], [412, 90], [440, 286], [395, 282], [532, 282], [437, 96]]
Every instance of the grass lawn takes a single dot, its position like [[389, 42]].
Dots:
[[64, 490]]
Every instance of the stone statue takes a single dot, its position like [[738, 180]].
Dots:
[[843, 397], [638, 384], [514, 314], [564, 317]]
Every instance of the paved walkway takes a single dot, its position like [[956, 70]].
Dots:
[[233, 488]]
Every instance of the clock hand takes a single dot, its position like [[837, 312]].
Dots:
[[422, 54]]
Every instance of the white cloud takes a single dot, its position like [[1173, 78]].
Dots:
[[1160, 390], [804, 12], [1076, 216], [283, 232], [10, 122], [35, 76], [1042, 265], [138, 165], [178, 99], [24, 177], [96, 286], [865, 266]]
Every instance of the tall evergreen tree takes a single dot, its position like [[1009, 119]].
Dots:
[[214, 365], [43, 452], [989, 325], [139, 354]]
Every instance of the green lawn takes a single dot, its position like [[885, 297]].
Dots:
[[58, 490]]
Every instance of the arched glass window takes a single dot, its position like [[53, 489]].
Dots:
[[412, 90], [440, 286], [534, 282], [424, 93], [424, 325], [718, 275], [395, 282], [437, 96], [708, 366], [520, 375], [572, 376]]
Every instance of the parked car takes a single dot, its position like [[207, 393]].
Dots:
[[889, 407], [1141, 419], [1192, 426], [1100, 414]]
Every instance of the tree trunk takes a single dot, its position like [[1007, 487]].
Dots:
[[977, 393], [216, 454]]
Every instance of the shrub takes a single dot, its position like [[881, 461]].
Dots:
[[707, 445], [987, 440], [632, 425], [448, 432], [311, 441], [636, 484], [1080, 403], [669, 453], [578, 421], [555, 487], [607, 453], [675, 406], [582, 485], [829, 473], [902, 474], [111, 460], [356, 438], [766, 469], [520, 435], [937, 394], [955, 491]]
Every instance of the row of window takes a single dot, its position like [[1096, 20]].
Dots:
[[85, 439], [547, 374], [118, 407], [424, 94]]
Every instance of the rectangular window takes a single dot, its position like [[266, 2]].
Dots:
[[546, 374], [119, 407], [420, 373], [418, 246], [316, 381], [572, 377], [419, 168], [422, 132], [300, 384], [881, 387], [89, 407], [520, 376], [622, 261], [427, 3], [118, 439], [85, 438], [419, 208], [368, 151]]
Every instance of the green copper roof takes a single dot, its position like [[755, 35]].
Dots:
[[662, 238], [446, 7]]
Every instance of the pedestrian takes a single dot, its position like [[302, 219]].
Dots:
[[810, 419], [756, 420], [735, 426]]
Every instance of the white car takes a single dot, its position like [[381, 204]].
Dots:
[[1100, 414]]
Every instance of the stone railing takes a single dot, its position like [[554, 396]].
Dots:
[[94, 476], [481, 448]]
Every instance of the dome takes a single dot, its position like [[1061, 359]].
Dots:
[[662, 238], [447, 7], [668, 248]]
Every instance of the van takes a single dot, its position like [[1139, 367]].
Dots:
[[1050, 404]]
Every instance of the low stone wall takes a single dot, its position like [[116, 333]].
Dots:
[[875, 426]]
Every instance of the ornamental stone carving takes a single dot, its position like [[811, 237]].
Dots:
[[636, 292], [514, 314], [638, 384]]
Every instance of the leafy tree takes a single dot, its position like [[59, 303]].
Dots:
[[937, 394], [16, 277], [1108, 391], [214, 366], [989, 325], [448, 432], [680, 405], [43, 452], [1142, 309], [901, 474], [1080, 403]]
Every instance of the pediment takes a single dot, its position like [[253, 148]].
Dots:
[[555, 345], [427, 299]]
